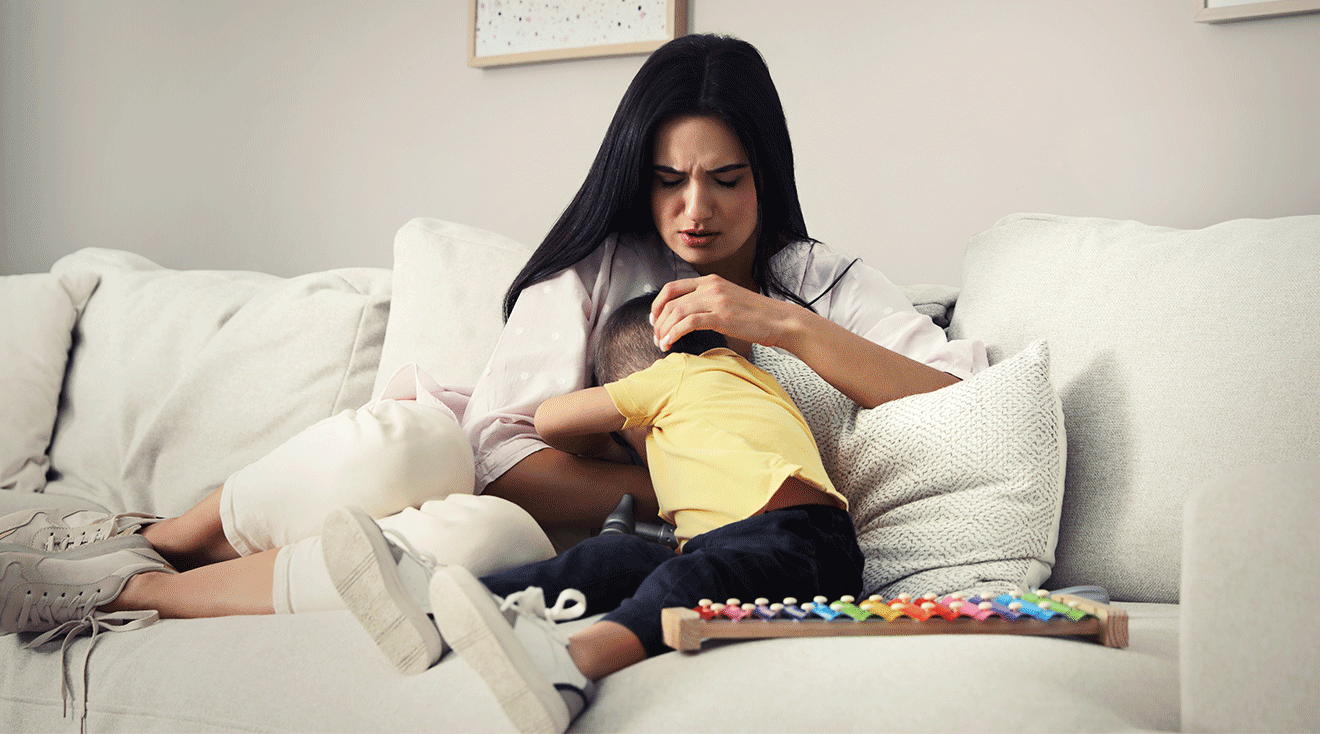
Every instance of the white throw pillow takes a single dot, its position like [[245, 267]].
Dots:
[[181, 377], [37, 314], [449, 283], [954, 490]]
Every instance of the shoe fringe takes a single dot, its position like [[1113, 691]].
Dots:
[[96, 622]]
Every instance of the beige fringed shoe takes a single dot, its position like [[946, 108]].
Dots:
[[53, 529]]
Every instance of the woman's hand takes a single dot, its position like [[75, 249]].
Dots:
[[711, 302], [867, 373]]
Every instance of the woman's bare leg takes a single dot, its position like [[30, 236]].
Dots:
[[215, 580], [194, 539], [238, 586]]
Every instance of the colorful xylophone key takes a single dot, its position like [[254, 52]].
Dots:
[[930, 604], [876, 605], [821, 609], [792, 609], [1042, 598], [1027, 607], [903, 603], [846, 606], [767, 611]]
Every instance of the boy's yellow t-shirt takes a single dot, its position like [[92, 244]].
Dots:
[[724, 437]]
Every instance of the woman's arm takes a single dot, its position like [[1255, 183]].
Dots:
[[867, 373], [558, 486], [562, 489]]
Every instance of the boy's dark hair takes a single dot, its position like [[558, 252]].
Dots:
[[627, 341]]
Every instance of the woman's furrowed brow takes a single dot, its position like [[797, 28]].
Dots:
[[722, 169]]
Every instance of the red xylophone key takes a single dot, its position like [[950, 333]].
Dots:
[[929, 603], [903, 603]]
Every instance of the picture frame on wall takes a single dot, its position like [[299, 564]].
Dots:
[[1225, 11], [507, 32]]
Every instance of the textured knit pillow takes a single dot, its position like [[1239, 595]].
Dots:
[[955, 490]]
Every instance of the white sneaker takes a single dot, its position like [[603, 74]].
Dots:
[[383, 581], [514, 646], [42, 590], [59, 594], [61, 529]]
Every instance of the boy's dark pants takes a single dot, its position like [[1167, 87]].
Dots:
[[798, 551]]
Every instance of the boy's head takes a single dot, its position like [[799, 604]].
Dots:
[[627, 341]]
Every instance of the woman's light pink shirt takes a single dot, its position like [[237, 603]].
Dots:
[[547, 343]]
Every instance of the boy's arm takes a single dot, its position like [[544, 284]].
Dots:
[[579, 422]]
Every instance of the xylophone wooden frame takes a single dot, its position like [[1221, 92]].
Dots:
[[685, 629]]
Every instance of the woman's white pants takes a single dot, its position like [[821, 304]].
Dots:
[[406, 463]]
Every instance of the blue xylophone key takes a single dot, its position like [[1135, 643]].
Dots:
[[1026, 607], [792, 609], [822, 610], [995, 607]]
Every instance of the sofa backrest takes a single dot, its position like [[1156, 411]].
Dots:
[[1178, 354], [178, 378]]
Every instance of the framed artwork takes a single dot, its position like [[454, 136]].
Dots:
[[504, 32], [1223, 11]]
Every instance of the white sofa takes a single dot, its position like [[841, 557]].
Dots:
[[1187, 362]]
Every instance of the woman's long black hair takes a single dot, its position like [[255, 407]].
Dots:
[[703, 75]]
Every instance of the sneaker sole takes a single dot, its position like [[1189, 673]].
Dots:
[[476, 628], [361, 567]]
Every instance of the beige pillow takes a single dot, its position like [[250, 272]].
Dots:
[[449, 283], [181, 377], [37, 314], [1179, 355]]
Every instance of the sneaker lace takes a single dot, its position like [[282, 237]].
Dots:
[[62, 539], [531, 602], [74, 537], [428, 561], [52, 608]]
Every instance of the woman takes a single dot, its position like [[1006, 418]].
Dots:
[[692, 192], [692, 188]]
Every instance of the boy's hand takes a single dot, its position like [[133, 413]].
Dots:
[[610, 450]]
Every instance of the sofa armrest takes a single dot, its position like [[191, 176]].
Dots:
[[1250, 587]]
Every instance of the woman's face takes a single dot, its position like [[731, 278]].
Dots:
[[703, 196]]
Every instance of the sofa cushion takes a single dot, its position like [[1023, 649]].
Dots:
[[1252, 529], [37, 313], [179, 378], [1178, 354], [953, 490], [449, 283], [317, 672]]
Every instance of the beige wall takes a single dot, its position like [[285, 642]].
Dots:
[[292, 136]]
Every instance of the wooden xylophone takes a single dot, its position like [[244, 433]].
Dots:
[[1038, 613]]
